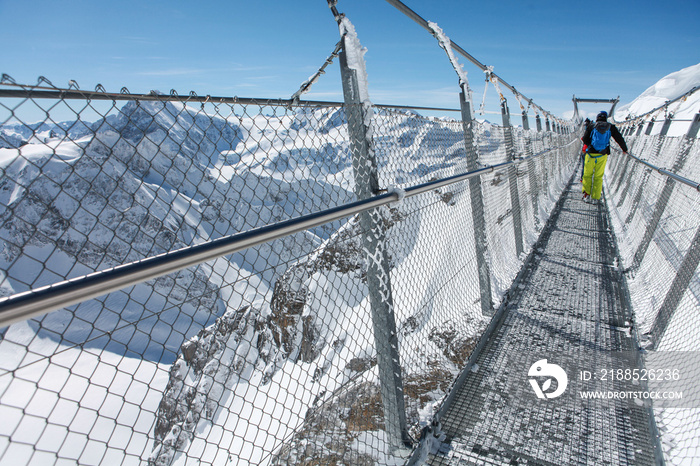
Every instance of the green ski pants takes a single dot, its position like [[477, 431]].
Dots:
[[593, 171]]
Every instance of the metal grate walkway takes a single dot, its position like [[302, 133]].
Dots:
[[568, 306]]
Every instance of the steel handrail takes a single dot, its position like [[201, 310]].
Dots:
[[663, 171], [36, 92], [40, 301]]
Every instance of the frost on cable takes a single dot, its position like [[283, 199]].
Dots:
[[446, 45]]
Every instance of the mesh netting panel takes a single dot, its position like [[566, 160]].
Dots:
[[266, 355], [656, 221]]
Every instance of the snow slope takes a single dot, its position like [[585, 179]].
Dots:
[[667, 88]]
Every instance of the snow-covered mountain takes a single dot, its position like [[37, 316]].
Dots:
[[667, 88], [153, 178]]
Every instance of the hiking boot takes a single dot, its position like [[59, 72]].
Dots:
[[586, 197]]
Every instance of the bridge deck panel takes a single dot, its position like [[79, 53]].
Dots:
[[568, 308]]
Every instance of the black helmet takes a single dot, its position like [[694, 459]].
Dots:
[[602, 116]]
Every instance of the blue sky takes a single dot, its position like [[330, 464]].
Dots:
[[548, 50]]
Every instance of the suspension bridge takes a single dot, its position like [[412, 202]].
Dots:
[[225, 280]]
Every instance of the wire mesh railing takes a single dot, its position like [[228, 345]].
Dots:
[[655, 208], [266, 355]]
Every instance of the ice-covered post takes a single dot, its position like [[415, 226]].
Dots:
[[640, 128], [358, 109], [650, 126], [526, 122], [667, 125], [477, 201], [532, 172], [641, 189], [513, 178], [695, 125], [538, 122]]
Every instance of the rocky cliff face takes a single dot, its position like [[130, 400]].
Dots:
[[238, 342], [243, 341], [294, 331]]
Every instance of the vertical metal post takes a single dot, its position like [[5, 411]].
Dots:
[[665, 195], [647, 171], [640, 128], [694, 127], [675, 293], [538, 123], [477, 200], [627, 177], [513, 179], [547, 124], [532, 176], [650, 126], [666, 126], [526, 121], [375, 255]]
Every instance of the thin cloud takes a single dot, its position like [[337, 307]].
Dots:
[[141, 40], [173, 72]]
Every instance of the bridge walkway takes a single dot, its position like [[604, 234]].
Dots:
[[568, 306]]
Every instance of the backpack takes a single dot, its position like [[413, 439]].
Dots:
[[600, 136]]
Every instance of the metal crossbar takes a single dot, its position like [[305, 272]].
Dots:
[[67, 94], [667, 173]]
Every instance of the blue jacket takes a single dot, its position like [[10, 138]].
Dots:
[[614, 133]]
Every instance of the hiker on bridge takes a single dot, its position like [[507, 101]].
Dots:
[[586, 126], [597, 140]]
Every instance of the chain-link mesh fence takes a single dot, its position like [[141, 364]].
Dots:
[[656, 220], [265, 356]]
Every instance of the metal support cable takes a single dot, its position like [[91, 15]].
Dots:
[[653, 111], [310, 82], [423, 23], [34, 303]]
